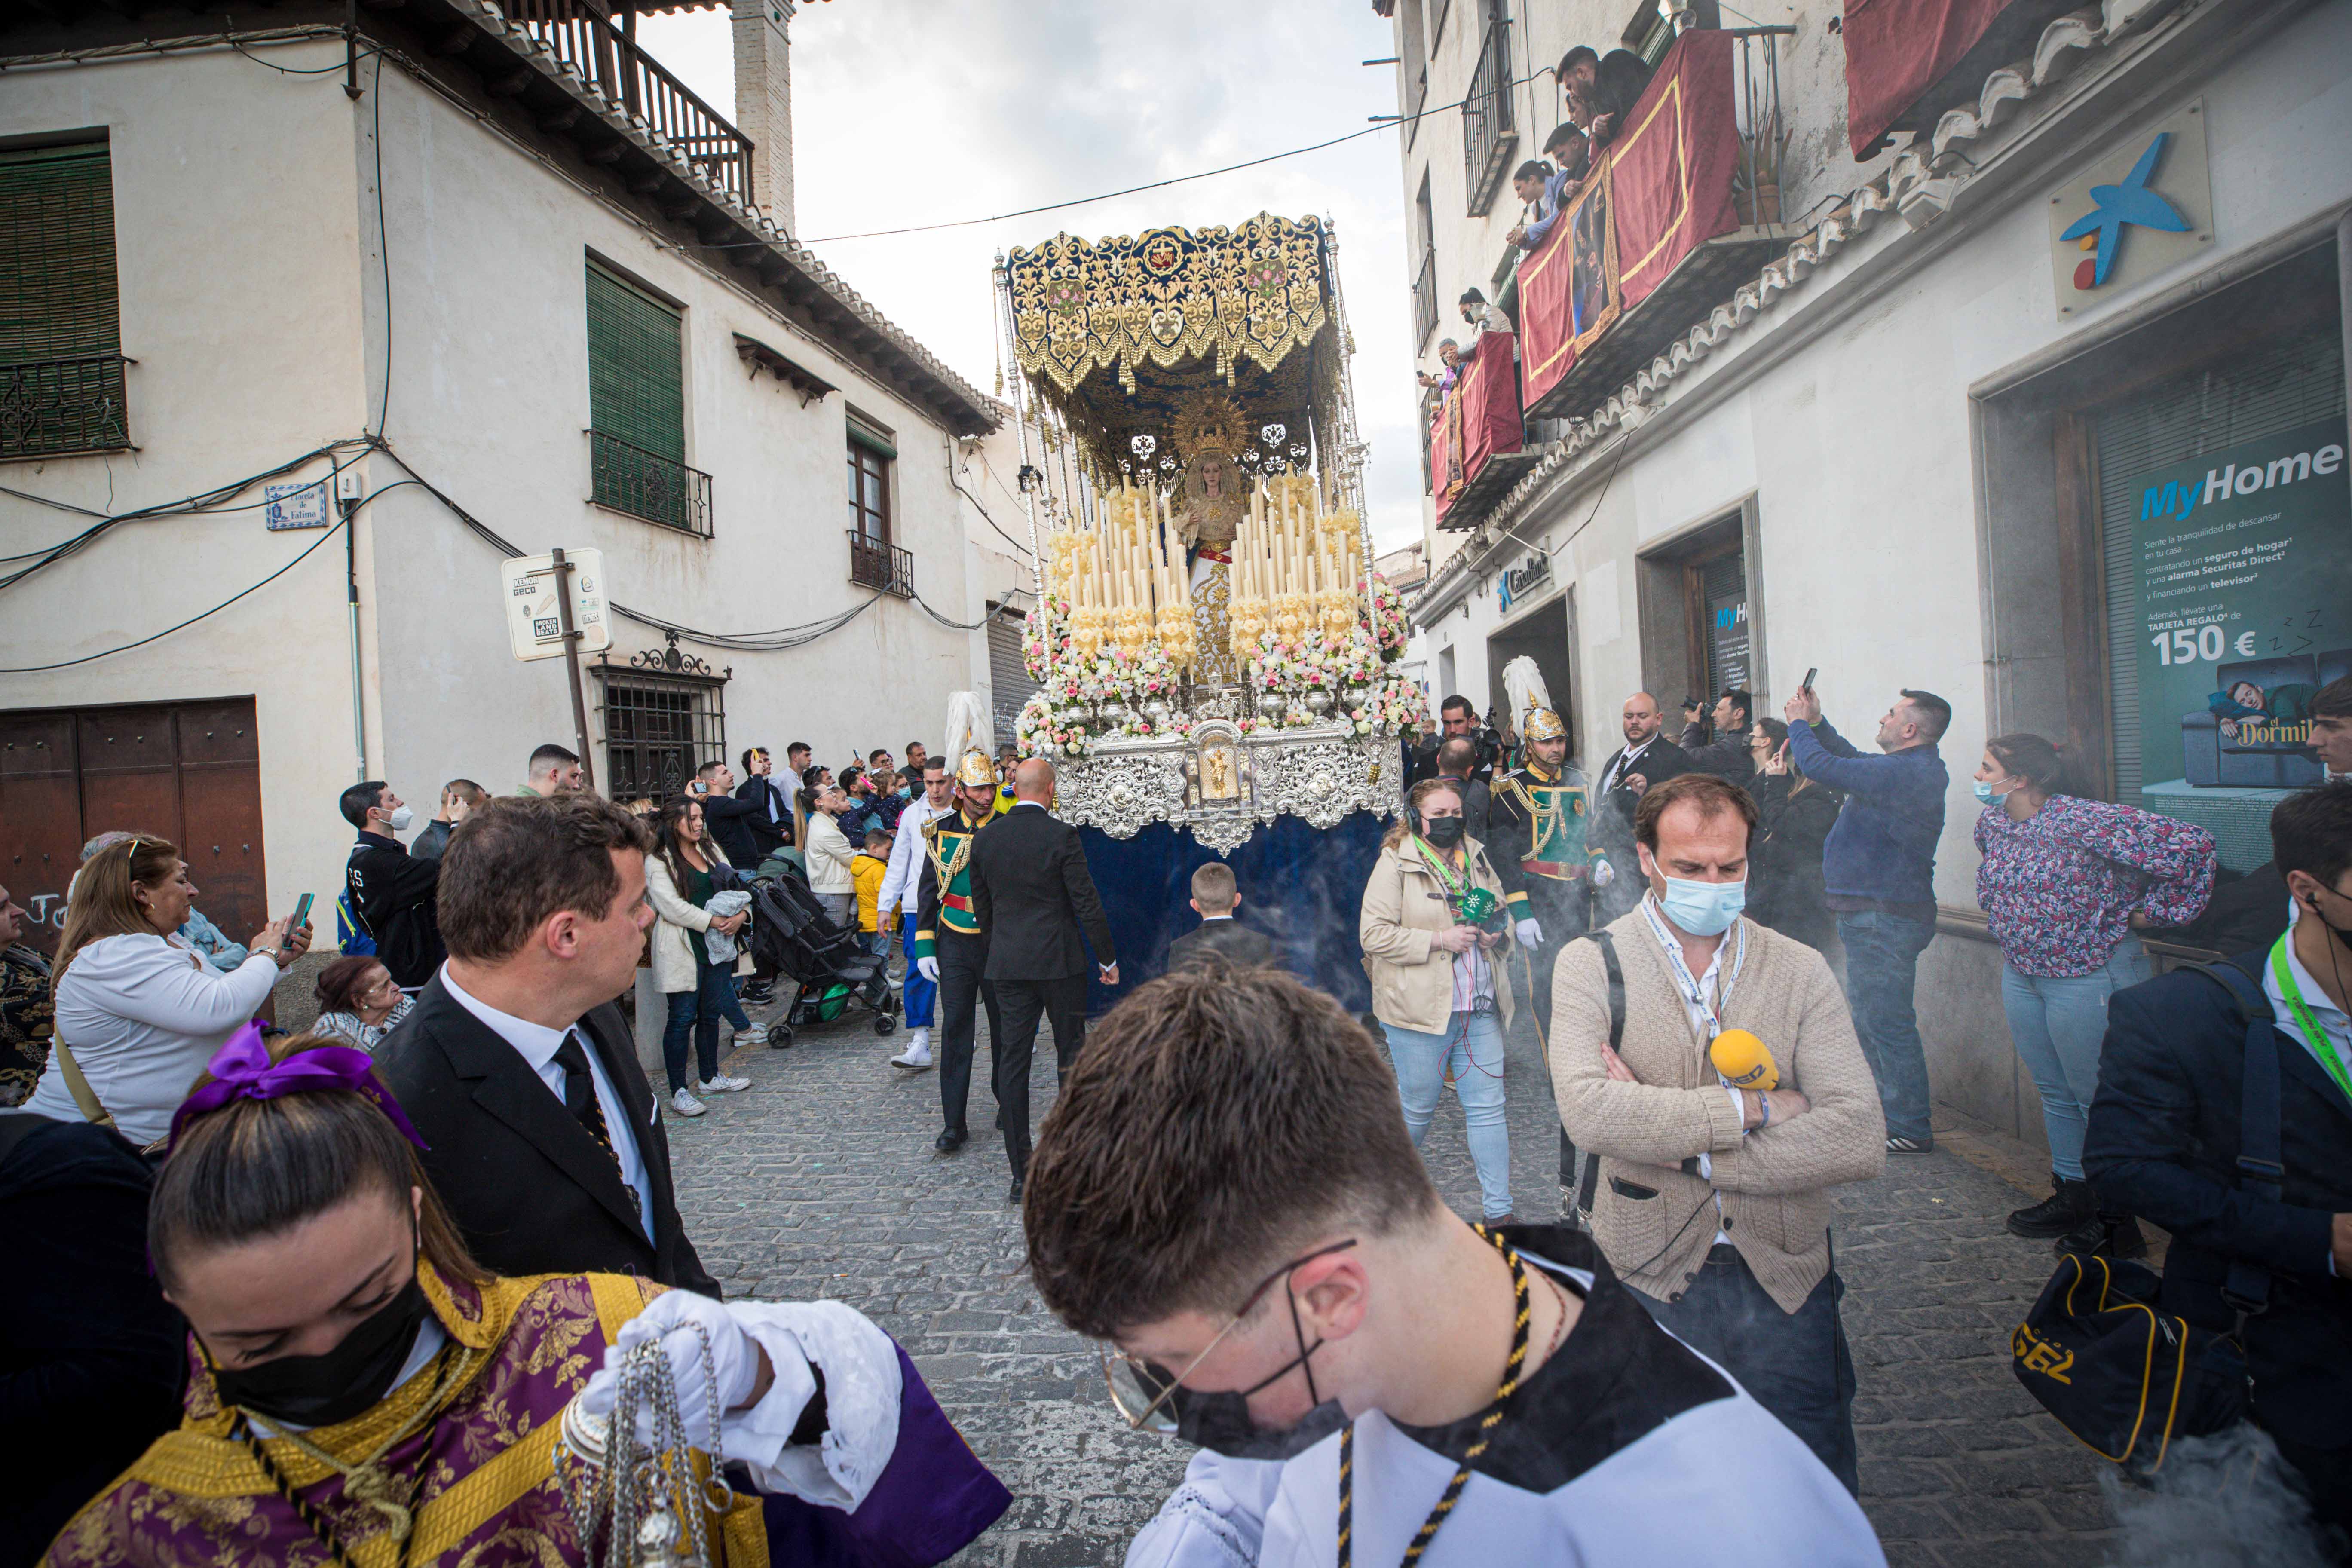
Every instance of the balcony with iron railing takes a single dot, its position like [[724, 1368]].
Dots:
[[1425, 301], [609, 60], [878, 563], [1693, 267], [1489, 136], [59, 406], [628, 478]]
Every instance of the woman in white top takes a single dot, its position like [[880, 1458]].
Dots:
[[828, 854], [680, 884], [139, 1008]]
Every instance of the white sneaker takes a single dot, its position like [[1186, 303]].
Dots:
[[685, 1104], [917, 1053], [723, 1084], [757, 1035]]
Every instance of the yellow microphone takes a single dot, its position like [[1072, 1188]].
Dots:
[[1743, 1061]]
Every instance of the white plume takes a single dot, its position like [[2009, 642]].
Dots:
[[968, 727], [1524, 689]]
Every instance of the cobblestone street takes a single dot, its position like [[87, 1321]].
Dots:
[[821, 1181]]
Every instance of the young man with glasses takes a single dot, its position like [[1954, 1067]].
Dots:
[[1225, 1196]]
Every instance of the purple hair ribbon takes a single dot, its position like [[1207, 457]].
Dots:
[[242, 1069]]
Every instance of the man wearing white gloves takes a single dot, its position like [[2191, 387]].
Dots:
[[951, 949], [1542, 854], [899, 884]]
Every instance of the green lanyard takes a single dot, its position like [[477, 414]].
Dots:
[[2321, 1046]]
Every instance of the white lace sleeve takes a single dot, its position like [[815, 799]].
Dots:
[[861, 1387], [1215, 1519]]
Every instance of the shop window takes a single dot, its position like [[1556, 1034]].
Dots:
[[61, 364], [1702, 632]]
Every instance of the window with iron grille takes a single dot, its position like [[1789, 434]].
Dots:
[[636, 407], [665, 715], [61, 387]]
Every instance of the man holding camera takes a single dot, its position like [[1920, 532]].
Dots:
[[1731, 723]]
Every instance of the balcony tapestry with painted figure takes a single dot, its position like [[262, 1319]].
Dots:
[[1662, 188], [2244, 565], [1477, 420]]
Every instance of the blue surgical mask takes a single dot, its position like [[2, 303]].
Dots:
[[1988, 794], [1703, 909]]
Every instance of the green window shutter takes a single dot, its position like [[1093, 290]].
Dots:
[[636, 386], [870, 436], [57, 296]]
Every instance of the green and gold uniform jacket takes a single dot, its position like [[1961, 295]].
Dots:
[[944, 891], [1535, 838]]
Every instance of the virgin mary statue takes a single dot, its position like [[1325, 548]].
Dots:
[[1210, 434]]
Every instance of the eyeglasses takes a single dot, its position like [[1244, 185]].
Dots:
[[1139, 1389]]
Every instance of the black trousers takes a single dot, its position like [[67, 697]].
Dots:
[[1062, 1003], [963, 982], [1564, 910]]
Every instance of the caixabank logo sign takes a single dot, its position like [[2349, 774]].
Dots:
[[2133, 213]]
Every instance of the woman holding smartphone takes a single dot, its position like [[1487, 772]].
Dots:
[[139, 1012]]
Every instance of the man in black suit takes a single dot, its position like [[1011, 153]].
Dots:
[[728, 816], [516, 1068], [1219, 936], [770, 819], [1033, 894], [1646, 758], [1457, 720], [2164, 1142]]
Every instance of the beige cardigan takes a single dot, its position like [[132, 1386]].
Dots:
[[674, 968], [1404, 906], [1775, 1180]]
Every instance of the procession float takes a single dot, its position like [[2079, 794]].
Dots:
[[1216, 660]]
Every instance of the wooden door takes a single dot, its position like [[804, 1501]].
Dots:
[[188, 771]]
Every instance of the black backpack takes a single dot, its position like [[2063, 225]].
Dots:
[[2098, 1351]]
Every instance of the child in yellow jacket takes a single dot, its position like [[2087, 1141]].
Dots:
[[867, 869]]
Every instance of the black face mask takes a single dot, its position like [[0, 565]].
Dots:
[[1445, 832], [2343, 934], [1220, 1423], [321, 1390]]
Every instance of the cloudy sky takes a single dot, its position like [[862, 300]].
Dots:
[[915, 111]]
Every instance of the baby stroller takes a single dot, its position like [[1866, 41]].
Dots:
[[789, 932]]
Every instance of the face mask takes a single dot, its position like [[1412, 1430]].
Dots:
[[1988, 794], [2343, 934], [321, 1390], [1703, 909], [1445, 832], [400, 818], [1220, 1423]]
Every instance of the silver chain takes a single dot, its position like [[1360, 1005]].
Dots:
[[643, 1499]]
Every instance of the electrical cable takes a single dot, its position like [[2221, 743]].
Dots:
[[983, 513], [383, 248], [1388, 124], [293, 70], [341, 523]]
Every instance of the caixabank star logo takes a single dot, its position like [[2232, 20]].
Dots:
[[2115, 208]]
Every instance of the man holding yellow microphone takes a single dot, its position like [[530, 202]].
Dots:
[[1712, 1066]]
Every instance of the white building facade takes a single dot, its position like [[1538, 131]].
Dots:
[[501, 285], [1897, 435]]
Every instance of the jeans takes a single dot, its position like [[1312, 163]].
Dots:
[[1471, 1049], [919, 994], [1795, 1364], [2059, 1025], [696, 1013], [1881, 972]]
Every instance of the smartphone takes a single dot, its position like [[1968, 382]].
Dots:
[[1808, 678], [302, 916]]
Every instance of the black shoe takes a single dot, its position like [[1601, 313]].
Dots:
[[1896, 1145], [2115, 1236], [948, 1141], [2069, 1204], [1014, 1194]]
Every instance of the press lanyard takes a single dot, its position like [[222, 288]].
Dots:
[[1690, 987], [2321, 1046]]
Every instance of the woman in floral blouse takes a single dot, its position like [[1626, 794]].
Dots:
[[2063, 881]]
